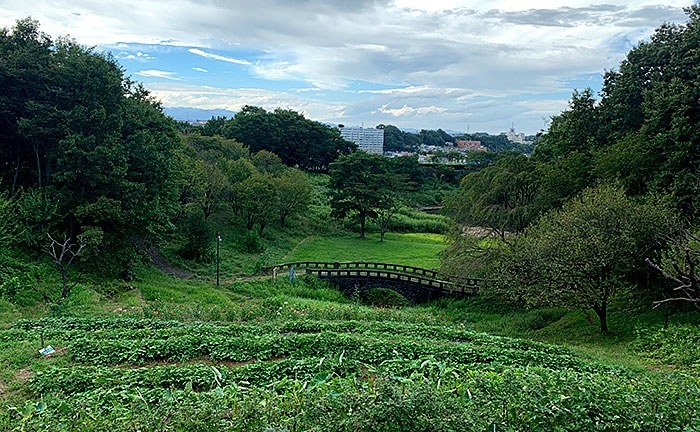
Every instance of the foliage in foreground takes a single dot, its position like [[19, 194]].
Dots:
[[389, 375], [584, 255]]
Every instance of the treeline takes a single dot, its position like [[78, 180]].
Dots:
[[298, 141], [612, 182], [397, 140], [88, 157]]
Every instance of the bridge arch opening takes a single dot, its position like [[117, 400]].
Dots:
[[383, 297]]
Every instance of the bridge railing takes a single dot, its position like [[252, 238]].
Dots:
[[340, 267], [444, 286], [358, 265]]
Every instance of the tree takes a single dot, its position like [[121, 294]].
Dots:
[[198, 236], [214, 126], [585, 254], [73, 123], [38, 213], [681, 269], [217, 148], [239, 170], [267, 163], [356, 184], [256, 200], [501, 197], [297, 140], [293, 194], [576, 129], [409, 167], [649, 114], [8, 224], [63, 254]]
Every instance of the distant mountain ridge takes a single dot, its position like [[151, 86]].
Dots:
[[196, 114]]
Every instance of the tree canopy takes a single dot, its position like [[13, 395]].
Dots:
[[297, 140], [585, 254], [91, 140]]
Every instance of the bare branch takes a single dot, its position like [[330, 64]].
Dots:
[[46, 298], [660, 302], [63, 254]]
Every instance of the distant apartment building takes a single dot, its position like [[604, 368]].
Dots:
[[368, 139], [470, 145]]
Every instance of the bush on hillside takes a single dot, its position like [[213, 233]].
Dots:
[[250, 242], [677, 344], [383, 297], [199, 236]]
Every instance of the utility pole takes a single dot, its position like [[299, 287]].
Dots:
[[218, 240]]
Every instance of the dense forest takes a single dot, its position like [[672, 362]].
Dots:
[[88, 155], [612, 182]]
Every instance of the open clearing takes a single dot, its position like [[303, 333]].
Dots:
[[419, 250]]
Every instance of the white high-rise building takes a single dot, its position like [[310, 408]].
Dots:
[[370, 140]]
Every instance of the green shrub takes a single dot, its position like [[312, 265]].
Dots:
[[676, 344], [199, 236], [250, 242], [383, 297]]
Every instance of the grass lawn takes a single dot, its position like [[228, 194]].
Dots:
[[420, 250]]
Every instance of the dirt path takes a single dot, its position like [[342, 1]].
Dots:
[[161, 263], [245, 279]]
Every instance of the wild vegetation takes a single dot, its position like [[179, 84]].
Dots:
[[111, 215], [609, 190]]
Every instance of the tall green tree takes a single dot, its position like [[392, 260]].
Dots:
[[297, 140], [584, 255], [356, 184], [268, 163], [501, 197], [73, 123], [293, 194], [256, 201], [650, 112], [574, 130]]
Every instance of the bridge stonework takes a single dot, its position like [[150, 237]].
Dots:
[[413, 293]]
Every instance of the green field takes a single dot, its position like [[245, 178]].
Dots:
[[274, 356], [257, 354], [417, 249]]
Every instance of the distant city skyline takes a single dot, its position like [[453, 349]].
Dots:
[[446, 64]]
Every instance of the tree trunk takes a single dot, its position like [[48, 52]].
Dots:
[[362, 226], [66, 290], [14, 180], [262, 228], [602, 316], [381, 234], [282, 218], [38, 162], [249, 223]]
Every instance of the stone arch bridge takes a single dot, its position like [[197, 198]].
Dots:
[[417, 284]]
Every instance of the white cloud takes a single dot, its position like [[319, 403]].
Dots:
[[406, 110], [200, 69], [199, 52], [158, 74], [443, 53], [207, 97]]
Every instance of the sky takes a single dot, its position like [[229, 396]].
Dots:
[[451, 64]]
